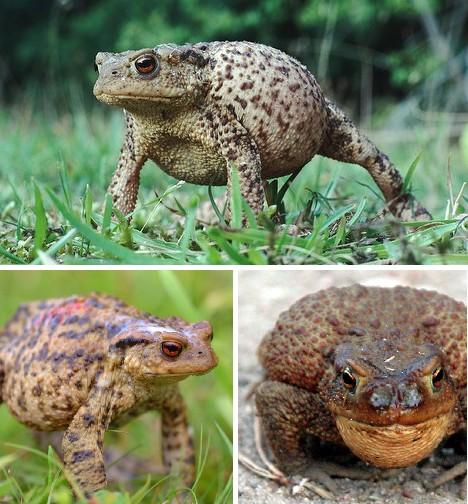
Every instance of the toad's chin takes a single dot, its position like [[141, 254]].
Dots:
[[393, 445]]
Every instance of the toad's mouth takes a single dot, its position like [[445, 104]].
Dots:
[[177, 375], [393, 445], [114, 99]]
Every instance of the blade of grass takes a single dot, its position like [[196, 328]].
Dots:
[[410, 172], [106, 219], [111, 248], [11, 256], [40, 228]]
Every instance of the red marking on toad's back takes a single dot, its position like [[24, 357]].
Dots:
[[61, 311]]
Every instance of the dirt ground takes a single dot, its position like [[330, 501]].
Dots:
[[262, 296]]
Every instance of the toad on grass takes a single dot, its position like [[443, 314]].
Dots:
[[85, 364]]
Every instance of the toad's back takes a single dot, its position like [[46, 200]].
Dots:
[[298, 350], [277, 100]]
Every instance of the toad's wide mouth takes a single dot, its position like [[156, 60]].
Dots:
[[393, 445], [116, 99]]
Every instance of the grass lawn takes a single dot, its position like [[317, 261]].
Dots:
[[55, 170], [34, 477]]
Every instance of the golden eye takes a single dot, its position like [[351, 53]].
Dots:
[[438, 376], [349, 379], [171, 348], [146, 64]]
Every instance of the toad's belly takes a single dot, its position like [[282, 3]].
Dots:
[[199, 164], [190, 161]]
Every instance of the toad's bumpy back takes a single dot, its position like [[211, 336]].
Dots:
[[298, 350]]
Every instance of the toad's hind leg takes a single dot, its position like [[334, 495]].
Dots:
[[126, 179], [289, 415], [344, 142], [178, 452]]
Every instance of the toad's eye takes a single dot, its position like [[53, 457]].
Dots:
[[146, 64], [349, 379], [171, 348], [438, 376]]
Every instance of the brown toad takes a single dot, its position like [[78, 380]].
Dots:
[[382, 371], [199, 110], [83, 364]]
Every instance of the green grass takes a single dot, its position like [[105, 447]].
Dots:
[[30, 476], [55, 169]]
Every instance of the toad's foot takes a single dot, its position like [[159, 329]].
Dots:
[[407, 208], [323, 472]]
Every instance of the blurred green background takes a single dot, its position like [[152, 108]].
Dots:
[[356, 48], [192, 295]]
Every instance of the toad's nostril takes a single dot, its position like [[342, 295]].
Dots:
[[382, 397], [114, 72], [200, 353], [410, 396]]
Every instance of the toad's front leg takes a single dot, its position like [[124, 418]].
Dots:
[[126, 179], [82, 450], [178, 452], [241, 154], [82, 442], [290, 418]]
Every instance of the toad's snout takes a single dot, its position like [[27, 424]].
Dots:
[[109, 69], [386, 396]]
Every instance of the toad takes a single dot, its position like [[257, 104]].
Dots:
[[86, 364], [201, 110], [379, 370]]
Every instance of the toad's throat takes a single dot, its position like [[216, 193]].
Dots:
[[393, 445]]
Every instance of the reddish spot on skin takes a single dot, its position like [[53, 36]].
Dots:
[[63, 310]]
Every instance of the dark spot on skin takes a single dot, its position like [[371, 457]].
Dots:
[[247, 85], [430, 322], [333, 321], [95, 303], [43, 352], [71, 334], [88, 419], [241, 101], [81, 455], [173, 446], [73, 437], [21, 403], [228, 74], [267, 108], [113, 329], [36, 390], [356, 331], [294, 87]]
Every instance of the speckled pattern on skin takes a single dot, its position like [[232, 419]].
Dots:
[[382, 370], [198, 110], [82, 364]]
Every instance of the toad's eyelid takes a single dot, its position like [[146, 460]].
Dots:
[[144, 52]]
